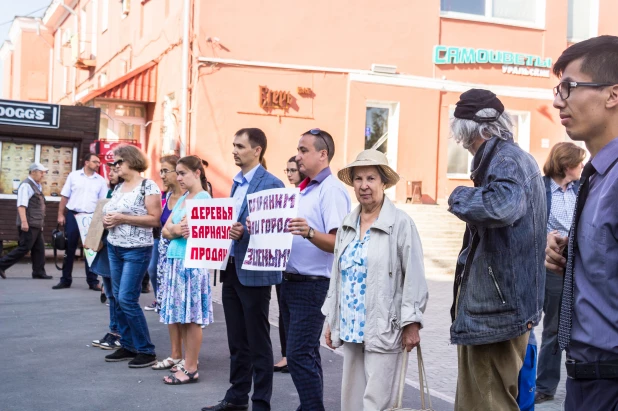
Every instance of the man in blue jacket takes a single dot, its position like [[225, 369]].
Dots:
[[246, 293], [500, 274]]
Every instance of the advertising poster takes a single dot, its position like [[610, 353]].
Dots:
[[270, 243], [209, 242], [59, 160], [83, 222], [16, 158]]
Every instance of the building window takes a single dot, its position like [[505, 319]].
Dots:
[[460, 160], [583, 20], [65, 80], [58, 45], [104, 15], [83, 21], [517, 12], [126, 7], [102, 79]]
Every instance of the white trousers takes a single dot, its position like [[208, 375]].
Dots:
[[370, 380]]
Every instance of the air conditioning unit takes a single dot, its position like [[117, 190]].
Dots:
[[66, 37], [383, 68]]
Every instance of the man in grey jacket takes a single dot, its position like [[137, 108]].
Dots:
[[500, 276]]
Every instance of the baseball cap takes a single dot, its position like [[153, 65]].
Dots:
[[37, 167]]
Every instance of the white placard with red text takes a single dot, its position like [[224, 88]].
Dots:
[[270, 243], [209, 241]]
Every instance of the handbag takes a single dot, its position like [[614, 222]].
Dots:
[[422, 378], [59, 242]]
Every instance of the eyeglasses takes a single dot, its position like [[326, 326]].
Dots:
[[163, 172], [290, 170], [564, 87], [95, 162], [318, 132]]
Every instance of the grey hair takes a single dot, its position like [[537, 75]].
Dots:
[[381, 173], [466, 131]]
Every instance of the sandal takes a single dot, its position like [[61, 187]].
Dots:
[[176, 381], [166, 364], [181, 363]]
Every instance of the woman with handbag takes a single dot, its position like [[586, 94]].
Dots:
[[131, 214], [185, 293], [378, 293]]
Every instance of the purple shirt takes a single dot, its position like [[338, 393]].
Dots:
[[323, 203], [594, 335]]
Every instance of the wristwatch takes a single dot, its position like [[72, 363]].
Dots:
[[310, 234]]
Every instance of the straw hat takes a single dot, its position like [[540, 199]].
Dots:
[[369, 158]]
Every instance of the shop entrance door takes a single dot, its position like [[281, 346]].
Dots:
[[382, 132]]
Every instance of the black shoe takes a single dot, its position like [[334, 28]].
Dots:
[[95, 287], [98, 343], [283, 368], [103, 298], [42, 277], [120, 355], [143, 360], [540, 397], [2, 273], [224, 405], [112, 343], [60, 286], [146, 289]]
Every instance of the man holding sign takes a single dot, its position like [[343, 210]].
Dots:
[[323, 204], [246, 293]]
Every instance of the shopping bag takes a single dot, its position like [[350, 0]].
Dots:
[[422, 378], [95, 231]]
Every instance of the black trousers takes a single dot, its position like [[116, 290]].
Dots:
[[282, 336], [72, 232], [31, 240], [591, 395], [248, 336]]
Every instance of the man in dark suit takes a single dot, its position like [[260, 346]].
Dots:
[[246, 293]]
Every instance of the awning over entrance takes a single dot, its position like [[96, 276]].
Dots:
[[137, 85]]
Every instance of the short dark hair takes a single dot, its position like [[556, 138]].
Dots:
[[600, 59], [133, 156], [89, 156], [325, 142], [171, 159], [256, 138], [563, 156]]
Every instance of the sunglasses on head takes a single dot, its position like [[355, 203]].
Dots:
[[318, 132]]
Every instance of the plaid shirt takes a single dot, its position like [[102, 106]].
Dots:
[[562, 208]]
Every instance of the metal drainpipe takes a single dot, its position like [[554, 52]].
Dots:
[[185, 79]]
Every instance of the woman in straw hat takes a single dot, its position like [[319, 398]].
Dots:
[[378, 293]]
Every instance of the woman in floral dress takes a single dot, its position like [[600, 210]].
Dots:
[[185, 292]]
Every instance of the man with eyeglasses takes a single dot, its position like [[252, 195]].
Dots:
[[80, 194], [323, 204], [587, 99]]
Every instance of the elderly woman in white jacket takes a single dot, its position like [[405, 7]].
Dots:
[[378, 293]]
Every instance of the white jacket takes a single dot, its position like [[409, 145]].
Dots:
[[396, 286]]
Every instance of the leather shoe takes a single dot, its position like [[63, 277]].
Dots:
[[60, 286], [224, 405], [2, 273], [540, 397], [42, 277], [95, 287]]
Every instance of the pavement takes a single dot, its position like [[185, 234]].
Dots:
[[50, 335]]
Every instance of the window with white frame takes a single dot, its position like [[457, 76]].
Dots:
[[583, 20], [516, 12], [126, 7], [459, 160], [83, 29]]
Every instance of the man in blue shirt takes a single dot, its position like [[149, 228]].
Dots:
[[587, 98], [246, 293], [323, 204]]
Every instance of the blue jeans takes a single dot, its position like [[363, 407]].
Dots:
[[128, 266], [152, 267], [113, 317]]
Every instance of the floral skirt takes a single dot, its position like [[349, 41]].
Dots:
[[185, 294], [163, 245]]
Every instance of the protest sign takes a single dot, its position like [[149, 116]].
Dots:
[[209, 241], [270, 243], [83, 222]]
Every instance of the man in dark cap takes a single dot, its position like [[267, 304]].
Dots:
[[500, 276]]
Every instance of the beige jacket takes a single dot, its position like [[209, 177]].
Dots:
[[396, 286]]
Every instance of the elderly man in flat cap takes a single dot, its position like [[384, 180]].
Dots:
[[500, 273]]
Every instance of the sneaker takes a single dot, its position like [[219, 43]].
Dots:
[[120, 355], [112, 343], [98, 343], [143, 360], [151, 307]]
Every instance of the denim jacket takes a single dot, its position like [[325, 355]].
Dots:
[[500, 274]]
